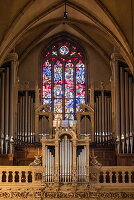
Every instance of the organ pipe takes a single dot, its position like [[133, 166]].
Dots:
[[25, 117], [103, 116], [122, 107], [65, 159], [7, 108]]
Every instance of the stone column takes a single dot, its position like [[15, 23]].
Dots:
[[115, 98]]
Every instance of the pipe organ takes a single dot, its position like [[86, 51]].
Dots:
[[103, 116], [8, 99], [123, 99], [49, 162], [65, 159], [81, 163], [25, 116], [65, 156]]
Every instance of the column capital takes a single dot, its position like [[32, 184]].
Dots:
[[117, 57], [11, 57]]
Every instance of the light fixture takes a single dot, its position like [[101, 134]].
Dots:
[[65, 12]]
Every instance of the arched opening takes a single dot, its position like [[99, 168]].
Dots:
[[63, 78]]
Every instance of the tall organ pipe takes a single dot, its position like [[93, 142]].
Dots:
[[7, 108], [29, 113], [100, 118], [97, 110]]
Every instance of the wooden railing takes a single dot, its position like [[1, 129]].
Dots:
[[20, 175], [116, 175]]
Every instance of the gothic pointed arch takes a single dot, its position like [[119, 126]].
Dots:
[[64, 78]]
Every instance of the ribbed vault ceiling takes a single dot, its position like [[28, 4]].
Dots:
[[103, 24]]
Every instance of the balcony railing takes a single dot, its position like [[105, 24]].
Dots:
[[106, 176], [20, 175], [113, 175]]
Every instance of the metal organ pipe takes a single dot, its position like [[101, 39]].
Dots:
[[2, 113], [131, 111], [97, 111], [103, 130], [95, 122], [65, 159], [122, 108], [29, 113], [32, 121], [7, 110], [106, 119], [100, 118]]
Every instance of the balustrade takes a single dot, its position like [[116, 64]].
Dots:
[[116, 175], [20, 175]]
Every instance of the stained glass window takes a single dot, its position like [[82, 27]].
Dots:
[[63, 79]]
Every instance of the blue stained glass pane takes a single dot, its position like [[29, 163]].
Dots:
[[80, 76], [58, 91], [69, 75], [69, 103], [58, 105], [45, 101], [69, 116], [69, 90], [57, 75], [46, 92], [79, 101]]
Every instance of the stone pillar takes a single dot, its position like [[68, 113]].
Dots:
[[116, 98]]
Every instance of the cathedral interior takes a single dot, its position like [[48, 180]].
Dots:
[[67, 99]]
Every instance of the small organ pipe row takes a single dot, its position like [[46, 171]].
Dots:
[[44, 128], [25, 117], [7, 100], [103, 116], [50, 162], [81, 163], [65, 159]]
